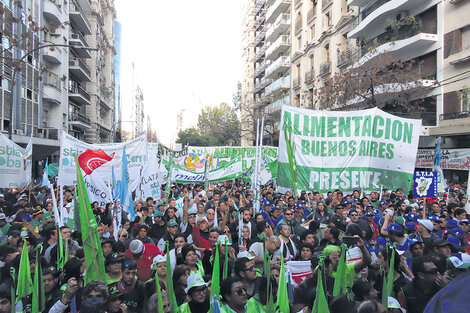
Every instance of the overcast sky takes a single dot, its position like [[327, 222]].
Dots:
[[187, 54]]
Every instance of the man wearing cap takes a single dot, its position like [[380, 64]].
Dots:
[[114, 303], [465, 227], [4, 226], [113, 264], [169, 237], [396, 233], [198, 293], [5, 206], [158, 228], [142, 254], [425, 228], [338, 218]]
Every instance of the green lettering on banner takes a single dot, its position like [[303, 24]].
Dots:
[[305, 146], [352, 148], [366, 126], [344, 127], [357, 124], [397, 130], [306, 124], [407, 133], [296, 124], [318, 126], [332, 148], [287, 123], [376, 131], [331, 126]]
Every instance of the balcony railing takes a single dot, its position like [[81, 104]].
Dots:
[[312, 13], [325, 68], [260, 53], [78, 35], [262, 84], [400, 33], [277, 105], [454, 115], [347, 56], [282, 61], [325, 3], [309, 76], [283, 18], [275, 5], [80, 64], [52, 79], [283, 82], [77, 117], [374, 5], [297, 3], [428, 118], [259, 36], [75, 7], [76, 88], [282, 40]]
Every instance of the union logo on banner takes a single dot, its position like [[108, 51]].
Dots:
[[90, 160], [425, 184]]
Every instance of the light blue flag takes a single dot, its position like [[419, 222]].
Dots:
[[123, 186], [45, 176]]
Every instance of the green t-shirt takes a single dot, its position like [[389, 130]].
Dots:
[[253, 305], [350, 275]]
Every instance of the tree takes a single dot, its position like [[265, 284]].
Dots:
[[216, 126]]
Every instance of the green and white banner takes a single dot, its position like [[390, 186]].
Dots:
[[229, 171], [346, 150], [15, 163]]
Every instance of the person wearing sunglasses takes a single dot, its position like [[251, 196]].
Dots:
[[198, 293], [245, 269], [234, 296], [132, 290], [415, 296]]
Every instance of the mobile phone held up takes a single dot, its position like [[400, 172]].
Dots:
[[349, 240]]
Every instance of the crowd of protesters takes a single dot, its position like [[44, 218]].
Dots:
[[427, 238]]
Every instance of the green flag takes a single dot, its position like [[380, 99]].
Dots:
[[206, 172], [60, 251], [320, 305], [159, 292], [24, 286], [169, 282], [389, 285], [340, 279], [215, 286], [76, 212], [291, 157], [168, 177], [39, 298], [225, 272], [282, 295], [91, 240]]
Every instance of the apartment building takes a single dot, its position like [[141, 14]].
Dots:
[[68, 81], [266, 69]]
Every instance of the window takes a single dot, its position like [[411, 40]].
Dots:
[[327, 20], [312, 32], [299, 42], [452, 42]]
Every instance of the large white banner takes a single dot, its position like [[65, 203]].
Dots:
[[346, 150], [98, 190], [15, 163], [152, 179], [136, 151]]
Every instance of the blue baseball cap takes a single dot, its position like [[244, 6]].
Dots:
[[412, 216], [274, 208], [454, 241], [384, 202], [452, 224], [394, 227], [457, 231], [464, 221], [298, 206], [415, 241], [421, 207], [346, 201], [434, 218], [370, 213], [410, 225]]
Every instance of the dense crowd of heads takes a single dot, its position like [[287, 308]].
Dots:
[[419, 247]]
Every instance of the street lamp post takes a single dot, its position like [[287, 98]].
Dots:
[[16, 86]]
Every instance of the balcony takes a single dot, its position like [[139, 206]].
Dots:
[[325, 4], [79, 18], [454, 115], [346, 57], [259, 37], [325, 68], [78, 68], [281, 45], [358, 3], [78, 40], [52, 55], [311, 14], [309, 76], [77, 94], [280, 6], [405, 42], [278, 85], [279, 27], [372, 17], [52, 91], [277, 105], [298, 25], [79, 120], [460, 57], [262, 84], [297, 4], [260, 53], [260, 69], [427, 118], [278, 66], [52, 11]]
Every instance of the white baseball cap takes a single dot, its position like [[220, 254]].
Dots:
[[3, 216], [426, 223], [158, 259], [195, 280], [393, 304], [136, 246]]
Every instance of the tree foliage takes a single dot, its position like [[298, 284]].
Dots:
[[216, 126]]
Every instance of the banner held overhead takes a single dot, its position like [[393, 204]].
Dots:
[[347, 150]]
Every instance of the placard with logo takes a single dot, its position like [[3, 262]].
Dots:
[[425, 184]]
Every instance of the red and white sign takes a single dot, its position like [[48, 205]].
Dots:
[[451, 159], [90, 160], [299, 271]]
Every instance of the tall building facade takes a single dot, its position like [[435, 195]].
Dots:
[[66, 51], [117, 76], [266, 66]]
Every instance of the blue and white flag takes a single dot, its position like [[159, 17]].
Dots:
[[45, 176], [425, 184]]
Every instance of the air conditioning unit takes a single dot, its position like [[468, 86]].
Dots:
[[19, 132]]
